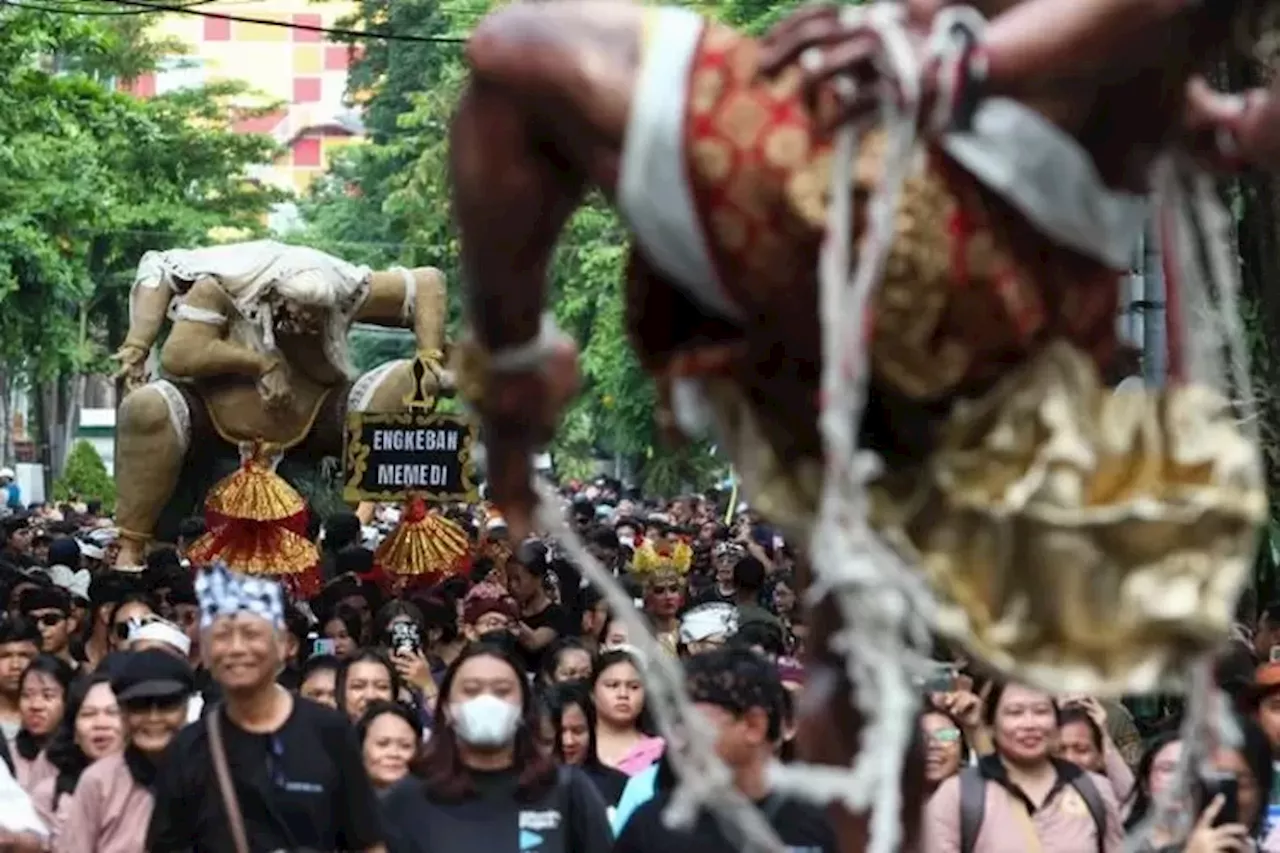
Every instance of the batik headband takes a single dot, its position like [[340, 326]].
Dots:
[[221, 592]]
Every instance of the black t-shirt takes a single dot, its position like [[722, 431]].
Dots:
[[568, 818], [553, 617], [302, 786], [803, 828]]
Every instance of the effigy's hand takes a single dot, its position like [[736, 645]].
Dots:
[[823, 46], [1228, 131], [133, 366]]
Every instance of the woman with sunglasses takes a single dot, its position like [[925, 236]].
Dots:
[[42, 697], [112, 804], [132, 607]]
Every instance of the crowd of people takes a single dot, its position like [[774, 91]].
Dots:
[[186, 708]]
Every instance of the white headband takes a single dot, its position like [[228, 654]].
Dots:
[[221, 592], [161, 631], [708, 620]]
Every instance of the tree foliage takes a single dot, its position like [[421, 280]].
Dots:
[[91, 177], [85, 477]]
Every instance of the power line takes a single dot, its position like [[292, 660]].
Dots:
[[290, 25], [144, 7], [91, 12]]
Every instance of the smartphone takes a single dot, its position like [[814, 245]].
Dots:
[[404, 638], [1228, 787], [323, 646], [1273, 654]]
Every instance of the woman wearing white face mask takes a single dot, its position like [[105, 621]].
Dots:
[[482, 783]]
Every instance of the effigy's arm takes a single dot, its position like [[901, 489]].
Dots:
[[399, 298], [197, 345], [1040, 43]]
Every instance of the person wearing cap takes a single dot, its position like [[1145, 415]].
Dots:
[[49, 607], [295, 766], [113, 802]]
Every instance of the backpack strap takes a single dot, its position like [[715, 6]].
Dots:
[[1088, 792], [973, 806]]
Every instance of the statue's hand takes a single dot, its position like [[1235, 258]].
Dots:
[[133, 366], [275, 387]]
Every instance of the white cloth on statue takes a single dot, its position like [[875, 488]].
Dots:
[[250, 272]]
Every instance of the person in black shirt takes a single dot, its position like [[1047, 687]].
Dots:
[[483, 784], [541, 621], [295, 766], [572, 716], [742, 695]]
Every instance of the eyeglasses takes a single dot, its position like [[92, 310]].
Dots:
[[945, 735], [48, 620]]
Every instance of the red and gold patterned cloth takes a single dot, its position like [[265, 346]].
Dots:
[[970, 289]]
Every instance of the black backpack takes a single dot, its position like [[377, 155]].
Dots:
[[973, 805]]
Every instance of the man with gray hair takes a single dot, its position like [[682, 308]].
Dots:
[[265, 770]]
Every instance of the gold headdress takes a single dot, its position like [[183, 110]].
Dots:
[[664, 559]]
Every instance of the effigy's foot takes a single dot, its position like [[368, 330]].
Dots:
[[1080, 538]]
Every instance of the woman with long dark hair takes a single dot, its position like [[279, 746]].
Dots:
[[91, 728], [367, 677], [1249, 765], [623, 730], [42, 700], [572, 717], [483, 783]]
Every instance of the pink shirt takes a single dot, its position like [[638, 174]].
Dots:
[[42, 799], [1063, 825], [31, 773], [642, 755], [108, 813]]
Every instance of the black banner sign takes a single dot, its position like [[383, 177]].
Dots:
[[390, 456]]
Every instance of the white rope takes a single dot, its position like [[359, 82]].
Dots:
[[704, 781], [884, 605]]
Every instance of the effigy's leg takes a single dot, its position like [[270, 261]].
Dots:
[[153, 429]]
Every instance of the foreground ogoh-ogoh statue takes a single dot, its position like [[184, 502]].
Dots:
[[256, 354], [1068, 532]]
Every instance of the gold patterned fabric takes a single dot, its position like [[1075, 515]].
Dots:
[[1083, 539], [262, 551], [1078, 538], [254, 492]]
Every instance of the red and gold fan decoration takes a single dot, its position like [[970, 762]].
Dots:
[[256, 525], [424, 548]]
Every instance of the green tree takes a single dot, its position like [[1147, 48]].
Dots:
[[86, 477], [92, 177]]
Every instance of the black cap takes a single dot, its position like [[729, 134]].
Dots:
[[151, 674]]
